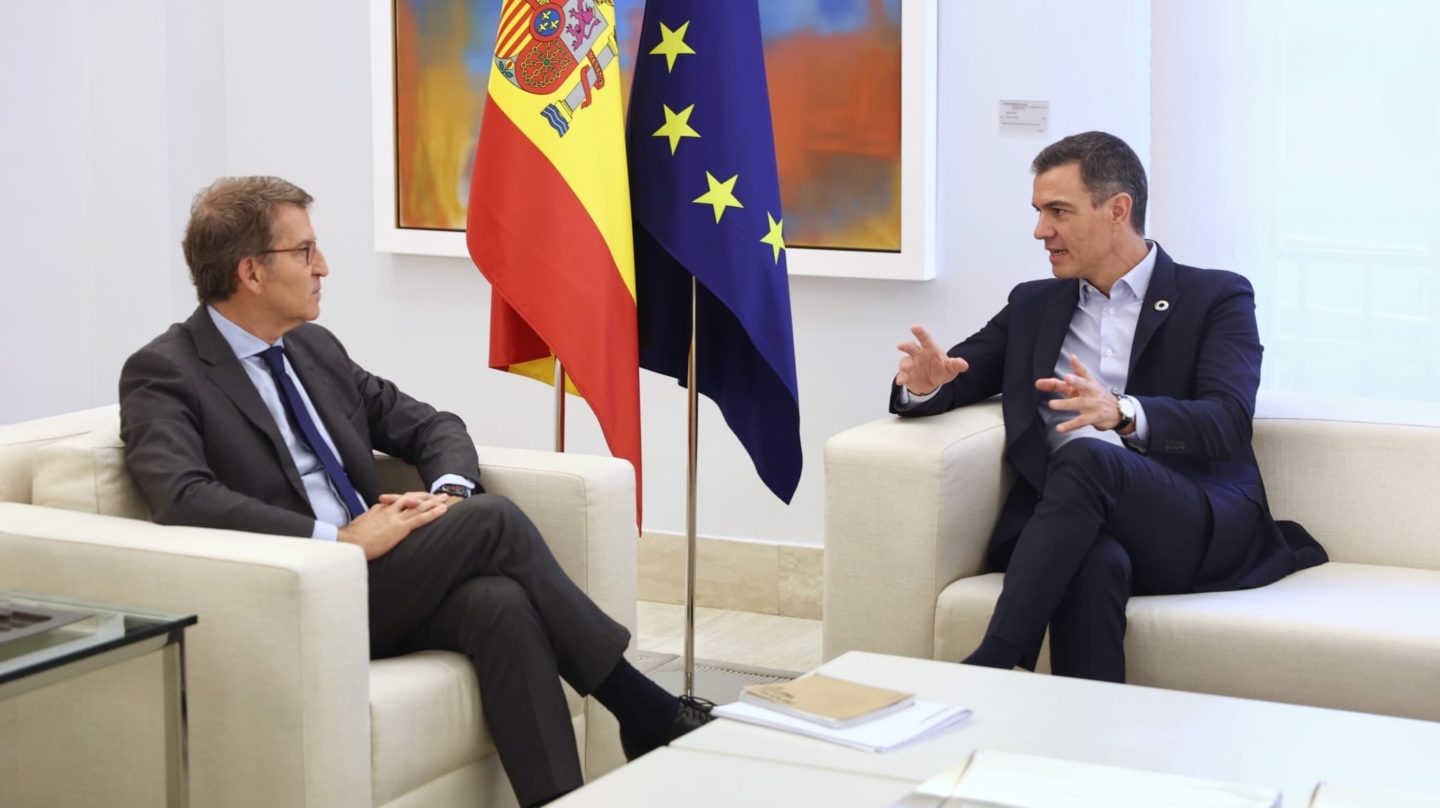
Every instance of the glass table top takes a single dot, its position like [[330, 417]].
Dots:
[[40, 632]]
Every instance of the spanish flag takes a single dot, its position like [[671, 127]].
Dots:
[[549, 219]]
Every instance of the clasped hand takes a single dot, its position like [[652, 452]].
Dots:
[[392, 519]]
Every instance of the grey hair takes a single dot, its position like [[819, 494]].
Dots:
[[1108, 166], [231, 220]]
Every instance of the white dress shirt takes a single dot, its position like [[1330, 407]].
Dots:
[[1102, 334], [330, 511]]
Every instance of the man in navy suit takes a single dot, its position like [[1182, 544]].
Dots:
[[1128, 387]]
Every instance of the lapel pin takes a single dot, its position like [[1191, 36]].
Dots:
[[1161, 305]]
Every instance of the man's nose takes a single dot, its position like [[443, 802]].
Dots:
[[321, 268], [1043, 229]]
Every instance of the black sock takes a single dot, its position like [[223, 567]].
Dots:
[[644, 709], [995, 653]]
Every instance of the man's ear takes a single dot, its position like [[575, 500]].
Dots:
[[1120, 205], [250, 274]]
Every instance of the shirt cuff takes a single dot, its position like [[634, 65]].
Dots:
[[908, 399], [452, 479], [324, 531], [1140, 438]]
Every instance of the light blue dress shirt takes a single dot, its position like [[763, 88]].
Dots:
[[330, 511], [1102, 334]]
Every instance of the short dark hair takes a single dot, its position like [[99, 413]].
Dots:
[[230, 221], [1108, 166]]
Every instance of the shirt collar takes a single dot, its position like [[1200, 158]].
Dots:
[[1137, 279], [242, 342]]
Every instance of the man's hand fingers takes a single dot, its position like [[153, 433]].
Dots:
[[417, 517], [1083, 419], [901, 378], [956, 365], [1049, 385], [922, 336], [909, 348], [1067, 404], [1080, 369], [907, 363]]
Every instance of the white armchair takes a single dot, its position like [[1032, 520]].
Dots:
[[285, 706], [910, 505]]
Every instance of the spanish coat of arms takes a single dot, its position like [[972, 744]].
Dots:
[[556, 48]]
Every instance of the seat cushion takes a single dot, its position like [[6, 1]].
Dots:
[[426, 721], [1347, 636], [18, 443], [87, 473]]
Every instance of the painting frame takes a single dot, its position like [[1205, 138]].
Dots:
[[914, 261]]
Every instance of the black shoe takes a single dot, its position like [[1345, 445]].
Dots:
[[694, 714]]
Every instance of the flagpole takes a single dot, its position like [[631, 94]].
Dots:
[[694, 395], [559, 406]]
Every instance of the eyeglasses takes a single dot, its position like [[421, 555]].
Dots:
[[308, 248]]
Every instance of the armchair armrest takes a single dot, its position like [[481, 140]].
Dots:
[[278, 666], [910, 504]]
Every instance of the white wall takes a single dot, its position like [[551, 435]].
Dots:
[[281, 87], [107, 129]]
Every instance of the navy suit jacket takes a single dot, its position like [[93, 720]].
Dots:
[[1194, 367]]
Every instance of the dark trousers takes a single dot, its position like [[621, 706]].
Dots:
[[480, 581], [1110, 523]]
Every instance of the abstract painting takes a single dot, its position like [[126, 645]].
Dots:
[[834, 70]]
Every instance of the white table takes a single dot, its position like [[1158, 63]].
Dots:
[[1235, 740], [683, 777]]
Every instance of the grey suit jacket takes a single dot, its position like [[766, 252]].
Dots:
[[206, 452]]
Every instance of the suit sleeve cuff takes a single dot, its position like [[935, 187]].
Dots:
[[908, 399], [452, 479], [1140, 438], [324, 531]]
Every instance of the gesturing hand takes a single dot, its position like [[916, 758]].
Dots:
[[388, 522], [1095, 405], [925, 365]]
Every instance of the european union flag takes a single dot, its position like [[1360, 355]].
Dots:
[[705, 196]]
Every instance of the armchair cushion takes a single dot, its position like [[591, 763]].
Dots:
[[1347, 636], [18, 443], [426, 720], [87, 473]]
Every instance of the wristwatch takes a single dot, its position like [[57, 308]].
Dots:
[[1126, 406], [454, 490]]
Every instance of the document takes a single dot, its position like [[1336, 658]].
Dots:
[[920, 720], [992, 779], [835, 703]]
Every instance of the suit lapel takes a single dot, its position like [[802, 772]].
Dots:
[[1054, 325], [1160, 299], [225, 370], [1027, 446]]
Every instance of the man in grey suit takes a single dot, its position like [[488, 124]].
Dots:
[[249, 417]]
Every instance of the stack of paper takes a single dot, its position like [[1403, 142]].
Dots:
[[919, 720], [1005, 780], [1329, 795]]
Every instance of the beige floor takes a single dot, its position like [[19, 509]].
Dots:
[[762, 640]]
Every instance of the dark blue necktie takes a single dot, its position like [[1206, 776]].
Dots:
[[274, 357]]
